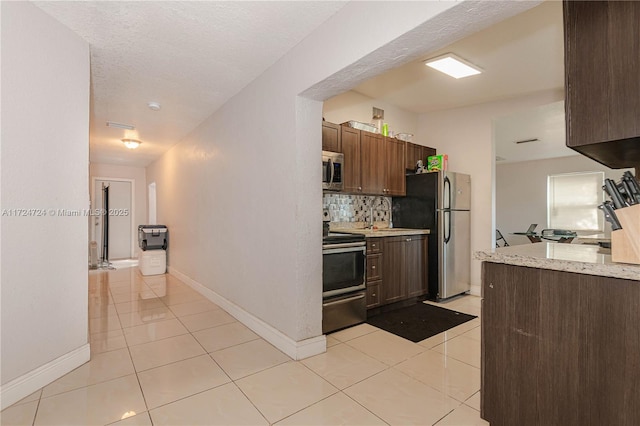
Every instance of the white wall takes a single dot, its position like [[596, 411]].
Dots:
[[139, 174], [45, 165], [241, 194], [466, 136], [521, 192], [355, 106]]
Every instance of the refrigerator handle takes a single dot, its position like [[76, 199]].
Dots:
[[447, 230], [447, 190]]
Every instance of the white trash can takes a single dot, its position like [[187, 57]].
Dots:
[[153, 262]]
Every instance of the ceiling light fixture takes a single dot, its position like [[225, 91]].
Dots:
[[453, 66], [154, 106], [131, 143], [120, 125]]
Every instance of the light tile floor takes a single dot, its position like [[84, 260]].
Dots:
[[164, 355]]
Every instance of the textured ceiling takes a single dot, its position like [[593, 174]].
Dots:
[[191, 57], [519, 56]]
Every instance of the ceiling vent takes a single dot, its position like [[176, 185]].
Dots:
[[527, 141], [120, 125]]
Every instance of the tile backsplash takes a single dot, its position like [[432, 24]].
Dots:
[[354, 210]]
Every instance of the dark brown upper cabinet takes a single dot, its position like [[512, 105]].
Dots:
[[602, 80], [415, 153], [351, 144], [331, 137]]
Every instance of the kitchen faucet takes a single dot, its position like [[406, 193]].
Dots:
[[371, 210]]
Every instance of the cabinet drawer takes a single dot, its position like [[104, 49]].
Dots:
[[373, 294], [374, 245], [374, 267]]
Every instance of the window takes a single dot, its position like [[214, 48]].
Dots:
[[573, 199]]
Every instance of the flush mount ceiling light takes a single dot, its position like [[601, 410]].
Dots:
[[154, 106], [120, 125], [131, 143], [453, 66]]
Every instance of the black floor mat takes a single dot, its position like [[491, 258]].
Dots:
[[419, 321]]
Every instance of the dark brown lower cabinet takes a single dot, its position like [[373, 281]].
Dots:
[[416, 262], [374, 276], [405, 268], [559, 348], [393, 286]]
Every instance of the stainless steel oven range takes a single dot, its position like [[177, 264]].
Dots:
[[343, 281]]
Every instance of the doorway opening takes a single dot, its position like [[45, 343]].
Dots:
[[152, 204], [121, 233]]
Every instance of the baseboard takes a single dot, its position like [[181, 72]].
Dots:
[[296, 350], [27, 384], [475, 290]]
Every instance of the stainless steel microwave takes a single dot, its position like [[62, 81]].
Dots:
[[332, 171]]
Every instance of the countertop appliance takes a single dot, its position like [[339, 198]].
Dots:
[[343, 281], [332, 167], [441, 201]]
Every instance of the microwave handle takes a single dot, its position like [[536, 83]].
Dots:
[[330, 165]]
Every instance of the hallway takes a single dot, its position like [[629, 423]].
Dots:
[[164, 355]]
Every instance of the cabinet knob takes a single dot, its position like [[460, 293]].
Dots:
[[374, 295], [408, 240], [373, 267], [359, 188], [373, 245]]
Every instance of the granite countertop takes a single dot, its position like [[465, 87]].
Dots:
[[578, 258], [382, 232]]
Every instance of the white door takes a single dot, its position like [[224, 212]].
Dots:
[[119, 222]]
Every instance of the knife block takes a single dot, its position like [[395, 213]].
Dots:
[[625, 242]]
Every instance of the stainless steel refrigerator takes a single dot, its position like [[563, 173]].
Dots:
[[441, 202]]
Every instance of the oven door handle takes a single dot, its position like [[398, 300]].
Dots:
[[345, 300], [343, 248], [343, 291]]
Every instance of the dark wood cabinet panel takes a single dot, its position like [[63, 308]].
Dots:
[[559, 348], [416, 264], [350, 139], [608, 366], [427, 152], [375, 245], [602, 83], [624, 70], [587, 77], [393, 287], [374, 267], [373, 294], [331, 137], [397, 266], [412, 156], [395, 162], [374, 271], [373, 163], [509, 329], [416, 152]]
